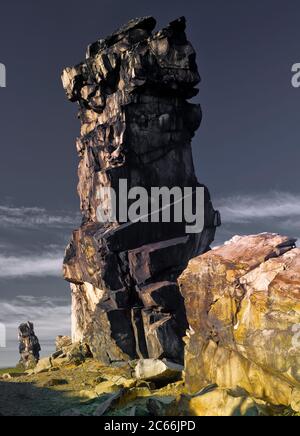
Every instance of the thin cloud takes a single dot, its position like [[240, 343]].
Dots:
[[275, 212], [35, 217], [36, 261], [43, 265], [51, 316], [246, 209]]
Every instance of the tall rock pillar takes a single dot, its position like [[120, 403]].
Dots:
[[136, 126]]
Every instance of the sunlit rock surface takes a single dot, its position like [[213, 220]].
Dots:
[[243, 308]]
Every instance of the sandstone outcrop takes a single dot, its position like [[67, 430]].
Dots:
[[136, 125], [218, 402], [62, 341], [243, 308]]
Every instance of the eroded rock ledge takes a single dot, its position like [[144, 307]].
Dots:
[[136, 124], [243, 307]]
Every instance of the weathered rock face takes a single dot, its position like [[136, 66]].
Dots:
[[29, 346], [243, 307], [219, 402], [62, 341], [136, 125]]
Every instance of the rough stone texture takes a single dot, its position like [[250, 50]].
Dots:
[[136, 124], [158, 370], [218, 402], [29, 346], [70, 352], [43, 365], [243, 307], [62, 341]]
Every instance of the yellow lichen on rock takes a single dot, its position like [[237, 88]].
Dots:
[[242, 303]]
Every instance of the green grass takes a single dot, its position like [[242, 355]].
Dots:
[[10, 370]]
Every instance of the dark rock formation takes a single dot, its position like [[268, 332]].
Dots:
[[136, 125], [29, 347]]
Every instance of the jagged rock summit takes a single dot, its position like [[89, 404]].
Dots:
[[136, 125]]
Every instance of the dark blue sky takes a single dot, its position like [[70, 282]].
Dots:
[[247, 150], [249, 139]]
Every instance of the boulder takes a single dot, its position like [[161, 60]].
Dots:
[[136, 126], [12, 375], [87, 395], [122, 381], [158, 371], [77, 351], [242, 302], [44, 365], [6, 376], [295, 403], [219, 402], [62, 342]]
